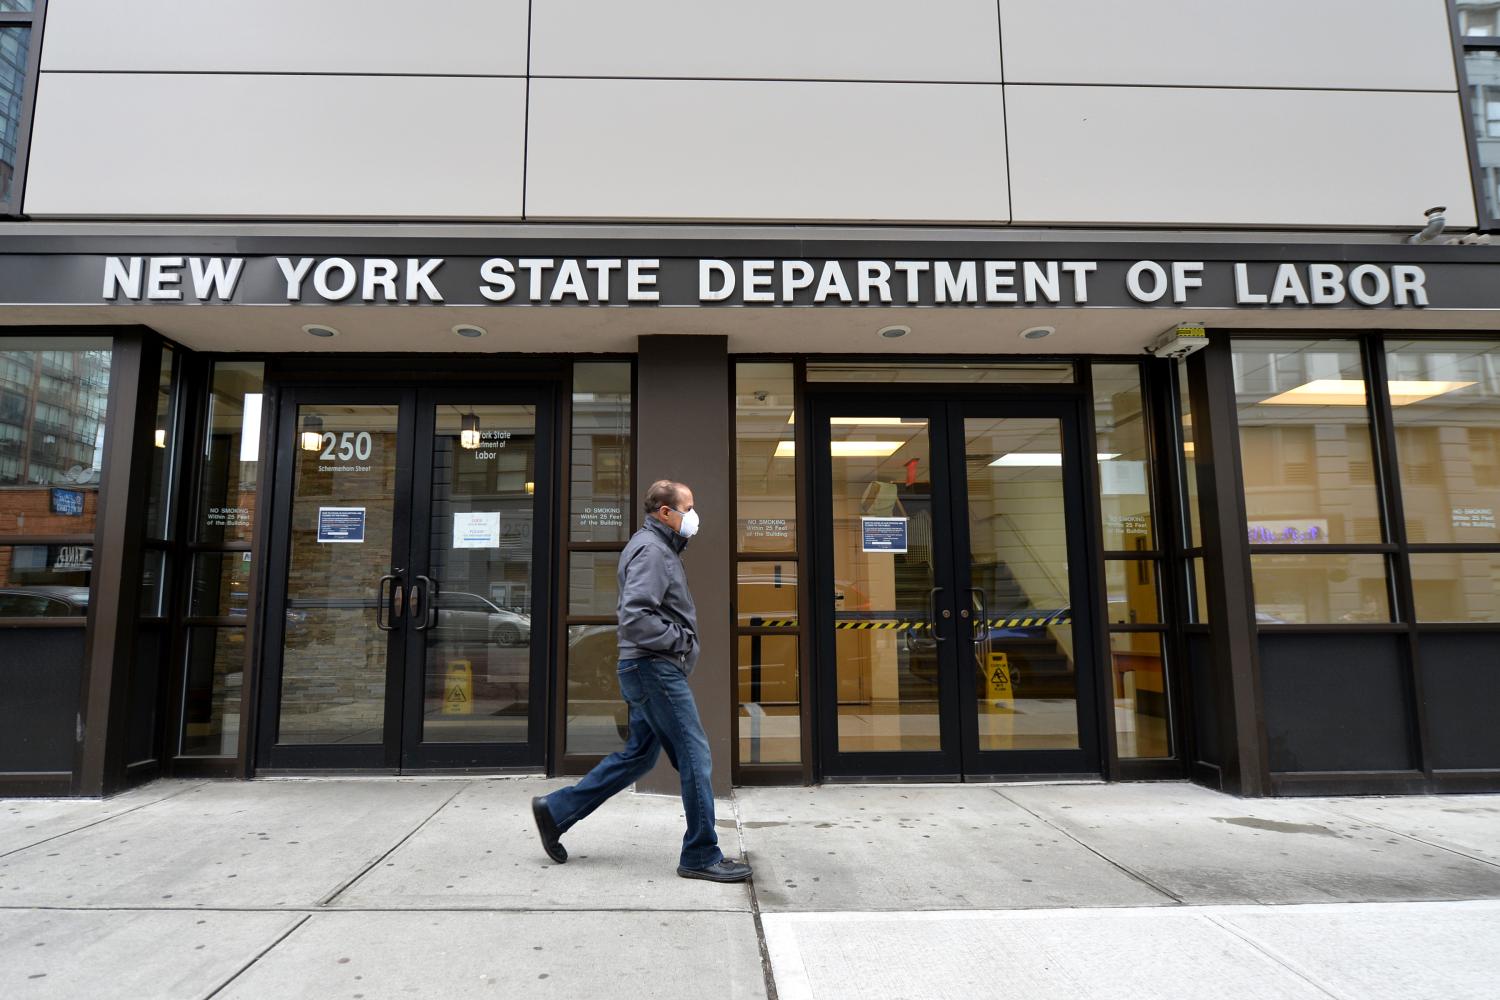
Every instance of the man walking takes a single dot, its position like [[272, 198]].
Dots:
[[658, 649]]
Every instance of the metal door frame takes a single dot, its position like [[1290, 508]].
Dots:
[[959, 757], [401, 749]]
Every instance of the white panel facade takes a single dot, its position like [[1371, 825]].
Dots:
[[1273, 158], [279, 146], [1364, 44], [657, 149], [769, 39], [288, 36]]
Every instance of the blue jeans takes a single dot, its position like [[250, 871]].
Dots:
[[663, 716]]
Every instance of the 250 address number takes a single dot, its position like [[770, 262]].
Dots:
[[347, 446]]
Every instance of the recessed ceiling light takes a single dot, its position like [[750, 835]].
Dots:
[[1039, 459], [1351, 392], [469, 330], [846, 449], [319, 330], [893, 332], [1037, 332]]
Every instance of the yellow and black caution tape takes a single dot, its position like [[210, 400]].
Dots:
[[1027, 619]]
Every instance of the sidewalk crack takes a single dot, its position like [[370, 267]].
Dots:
[[256, 958], [349, 882], [193, 787], [1274, 956], [760, 928], [1124, 868], [1411, 836]]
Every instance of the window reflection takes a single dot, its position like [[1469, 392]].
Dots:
[[765, 460], [1483, 70], [15, 43], [598, 718], [1456, 586], [600, 506], [1318, 589], [1305, 443], [1140, 692], [53, 394], [1478, 18], [1446, 402], [231, 453], [1124, 462]]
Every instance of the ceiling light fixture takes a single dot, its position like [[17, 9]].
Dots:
[[1038, 332], [1351, 392], [846, 449], [469, 330], [1039, 459], [468, 435], [894, 332], [319, 330], [312, 433]]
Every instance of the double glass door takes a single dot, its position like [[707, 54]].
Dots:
[[406, 622], [954, 634]]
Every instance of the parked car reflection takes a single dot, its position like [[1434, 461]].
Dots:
[[470, 618], [44, 601]]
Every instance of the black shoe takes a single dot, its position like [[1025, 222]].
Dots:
[[547, 828], [724, 870]]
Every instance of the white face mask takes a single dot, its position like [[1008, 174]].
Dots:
[[689, 523]]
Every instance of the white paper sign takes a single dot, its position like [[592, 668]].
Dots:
[[476, 530]]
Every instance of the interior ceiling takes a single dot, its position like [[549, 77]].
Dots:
[[567, 330]]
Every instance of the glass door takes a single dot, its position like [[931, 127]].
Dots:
[[342, 495], [888, 683], [477, 644], [1026, 642], [949, 593], [407, 566]]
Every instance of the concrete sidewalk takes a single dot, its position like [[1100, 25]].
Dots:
[[437, 888]]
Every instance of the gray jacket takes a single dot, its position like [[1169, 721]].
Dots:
[[657, 617]]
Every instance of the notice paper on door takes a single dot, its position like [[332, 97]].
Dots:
[[476, 529], [883, 534], [341, 524]]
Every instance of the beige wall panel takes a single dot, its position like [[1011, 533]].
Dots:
[[776, 39], [653, 149], [1374, 44], [288, 36], [315, 146], [1160, 156]]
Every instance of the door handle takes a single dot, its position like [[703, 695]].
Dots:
[[426, 606], [932, 601], [982, 618], [383, 601]]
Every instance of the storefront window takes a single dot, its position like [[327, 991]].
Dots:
[[53, 395], [1124, 461], [1131, 586], [599, 498], [1140, 690], [231, 454], [1189, 458], [765, 459], [219, 587], [1456, 586], [1305, 443], [767, 589], [1315, 588], [602, 516], [1445, 398]]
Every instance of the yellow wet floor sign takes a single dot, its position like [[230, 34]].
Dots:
[[458, 689], [997, 678]]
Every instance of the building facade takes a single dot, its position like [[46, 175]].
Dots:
[[1083, 389]]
